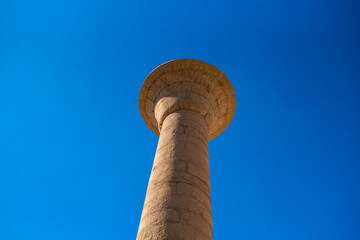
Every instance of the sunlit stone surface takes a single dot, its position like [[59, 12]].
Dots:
[[186, 102]]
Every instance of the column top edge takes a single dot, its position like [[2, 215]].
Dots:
[[182, 70]]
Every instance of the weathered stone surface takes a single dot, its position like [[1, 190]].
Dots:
[[188, 84], [186, 102]]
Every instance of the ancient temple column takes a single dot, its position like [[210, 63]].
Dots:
[[187, 102]]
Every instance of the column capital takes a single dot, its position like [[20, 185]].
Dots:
[[187, 84]]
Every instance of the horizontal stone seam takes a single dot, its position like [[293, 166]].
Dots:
[[183, 143], [156, 99], [169, 149], [178, 210], [142, 231], [161, 164], [200, 97], [194, 199], [187, 133], [188, 115], [173, 154], [201, 137], [180, 171], [206, 97], [201, 159], [182, 223], [194, 125], [178, 109], [185, 181], [199, 147], [158, 188], [166, 163], [208, 197]]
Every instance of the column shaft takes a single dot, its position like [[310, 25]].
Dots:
[[177, 204]]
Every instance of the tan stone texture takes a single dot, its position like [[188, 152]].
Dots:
[[188, 84], [178, 198], [186, 102]]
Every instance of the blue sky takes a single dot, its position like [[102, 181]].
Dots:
[[75, 154]]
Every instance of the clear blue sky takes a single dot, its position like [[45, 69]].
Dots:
[[75, 154]]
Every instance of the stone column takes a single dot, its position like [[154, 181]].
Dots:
[[187, 102]]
